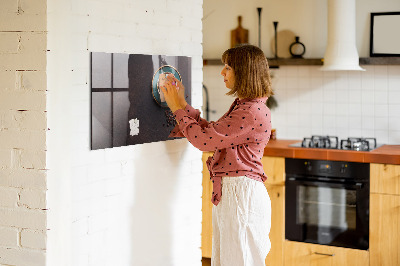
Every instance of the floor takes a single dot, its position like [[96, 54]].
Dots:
[[206, 261]]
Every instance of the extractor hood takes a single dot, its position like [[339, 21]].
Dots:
[[341, 51]]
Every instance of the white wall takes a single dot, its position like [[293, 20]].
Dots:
[[23, 133], [135, 205], [311, 102], [306, 19]]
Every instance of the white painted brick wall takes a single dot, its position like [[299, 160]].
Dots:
[[34, 239], [125, 205], [9, 237], [23, 132]]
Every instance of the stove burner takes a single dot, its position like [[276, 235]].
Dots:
[[328, 142], [332, 142], [358, 144]]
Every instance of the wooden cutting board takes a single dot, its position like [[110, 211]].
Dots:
[[239, 35]]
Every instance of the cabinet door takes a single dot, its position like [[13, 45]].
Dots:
[[206, 226], [385, 178], [304, 254], [384, 230], [277, 233], [274, 168]]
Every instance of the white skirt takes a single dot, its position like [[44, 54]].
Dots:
[[241, 223]]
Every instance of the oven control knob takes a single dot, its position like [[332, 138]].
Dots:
[[308, 166], [343, 168]]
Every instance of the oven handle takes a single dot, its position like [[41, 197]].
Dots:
[[357, 185]]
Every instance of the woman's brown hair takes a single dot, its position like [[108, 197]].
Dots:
[[250, 66]]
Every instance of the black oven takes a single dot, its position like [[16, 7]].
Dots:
[[327, 202]]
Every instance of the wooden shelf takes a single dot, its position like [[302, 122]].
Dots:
[[380, 61], [274, 63]]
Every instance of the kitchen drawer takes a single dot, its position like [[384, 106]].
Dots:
[[385, 178], [305, 254]]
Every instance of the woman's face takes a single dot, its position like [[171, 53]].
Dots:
[[229, 76]]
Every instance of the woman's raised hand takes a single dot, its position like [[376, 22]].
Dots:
[[174, 93]]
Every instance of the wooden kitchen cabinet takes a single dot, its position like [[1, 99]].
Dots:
[[206, 225], [274, 168], [277, 233], [384, 236], [305, 254], [385, 215], [385, 178]]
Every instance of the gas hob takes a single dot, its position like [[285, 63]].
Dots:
[[332, 142]]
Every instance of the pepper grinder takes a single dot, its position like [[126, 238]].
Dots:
[[276, 38]]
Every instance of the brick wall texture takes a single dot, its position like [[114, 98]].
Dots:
[[23, 128], [61, 203]]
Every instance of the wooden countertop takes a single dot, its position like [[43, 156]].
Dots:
[[389, 154]]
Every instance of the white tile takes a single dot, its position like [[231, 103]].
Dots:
[[394, 123], [355, 122], [368, 122], [394, 83], [367, 96], [317, 131], [367, 133], [328, 74], [291, 71], [355, 132], [316, 82], [304, 72], [367, 82], [304, 109], [381, 123], [342, 122], [329, 94], [354, 80], [367, 110], [329, 109], [342, 96], [382, 136], [381, 97], [317, 121], [342, 81], [317, 107], [394, 70], [316, 72], [394, 97], [292, 83], [381, 84], [381, 110], [317, 95], [342, 109], [355, 109], [380, 71], [303, 82], [394, 110], [355, 96], [394, 137], [342, 133], [329, 121]]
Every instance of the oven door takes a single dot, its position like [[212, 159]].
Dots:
[[327, 213]]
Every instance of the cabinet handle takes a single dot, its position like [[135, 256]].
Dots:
[[324, 254]]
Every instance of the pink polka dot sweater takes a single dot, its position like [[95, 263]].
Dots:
[[238, 139]]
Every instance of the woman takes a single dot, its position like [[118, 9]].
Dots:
[[242, 211]]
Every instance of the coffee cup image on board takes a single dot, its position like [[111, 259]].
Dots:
[[160, 74]]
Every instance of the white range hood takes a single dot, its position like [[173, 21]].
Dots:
[[341, 51]]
